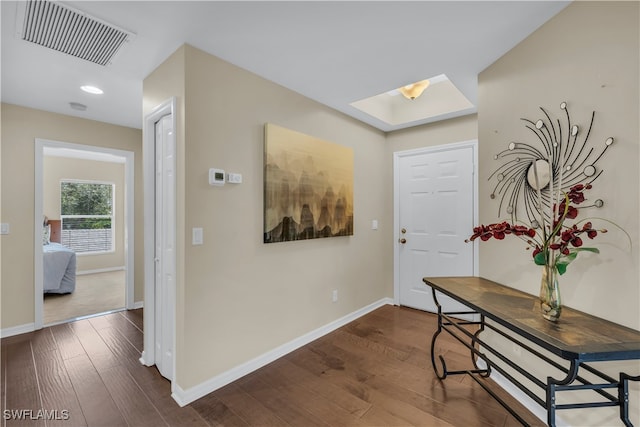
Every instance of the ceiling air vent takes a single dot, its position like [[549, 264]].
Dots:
[[58, 27]]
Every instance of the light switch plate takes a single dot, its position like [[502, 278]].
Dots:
[[197, 237], [4, 228]]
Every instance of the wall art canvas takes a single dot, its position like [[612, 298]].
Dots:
[[308, 187]]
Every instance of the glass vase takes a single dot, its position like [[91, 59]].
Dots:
[[550, 305]]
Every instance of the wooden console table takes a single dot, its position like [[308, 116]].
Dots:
[[578, 338]]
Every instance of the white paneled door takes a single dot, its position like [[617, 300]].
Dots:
[[436, 215], [165, 241]]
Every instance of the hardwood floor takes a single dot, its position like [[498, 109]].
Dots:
[[374, 371]]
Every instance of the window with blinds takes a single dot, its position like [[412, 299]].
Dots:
[[87, 216]]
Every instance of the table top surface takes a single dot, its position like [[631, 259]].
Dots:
[[576, 336]]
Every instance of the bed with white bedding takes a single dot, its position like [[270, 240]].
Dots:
[[59, 268]]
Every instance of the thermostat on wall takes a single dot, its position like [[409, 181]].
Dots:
[[216, 176]]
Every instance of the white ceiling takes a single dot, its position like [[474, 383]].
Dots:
[[333, 52]]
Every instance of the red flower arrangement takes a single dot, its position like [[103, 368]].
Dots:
[[559, 245]]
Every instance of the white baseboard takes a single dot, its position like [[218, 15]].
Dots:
[[184, 397], [143, 359], [521, 396], [17, 330], [30, 327], [99, 270]]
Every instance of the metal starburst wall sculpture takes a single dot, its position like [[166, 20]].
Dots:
[[560, 159], [547, 179]]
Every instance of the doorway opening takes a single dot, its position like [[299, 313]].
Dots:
[[83, 261]]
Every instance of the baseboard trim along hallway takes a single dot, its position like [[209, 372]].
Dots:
[[184, 397]]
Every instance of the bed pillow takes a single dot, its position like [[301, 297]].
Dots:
[[46, 234]]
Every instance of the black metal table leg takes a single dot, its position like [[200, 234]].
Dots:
[[572, 374], [433, 341], [623, 396], [444, 324]]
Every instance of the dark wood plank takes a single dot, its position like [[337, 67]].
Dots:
[[135, 406], [126, 354], [216, 413], [247, 408], [66, 341], [159, 392], [373, 339], [358, 382], [278, 402], [407, 411], [422, 381], [377, 416], [43, 341], [24, 399], [100, 322], [393, 330], [120, 323], [17, 338], [58, 395], [341, 397], [101, 356], [460, 409], [355, 378], [152, 384], [396, 373], [314, 403], [135, 317], [96, 402], [320, 407]]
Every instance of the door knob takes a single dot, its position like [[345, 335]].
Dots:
[[403, 240], [403, 231]]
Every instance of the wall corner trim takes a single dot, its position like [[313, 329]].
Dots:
[[184, 397], [17, 330]]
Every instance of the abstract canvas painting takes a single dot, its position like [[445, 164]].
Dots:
[[308, 187]]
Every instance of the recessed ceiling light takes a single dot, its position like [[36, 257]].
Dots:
[[77, 106], [92, 89]]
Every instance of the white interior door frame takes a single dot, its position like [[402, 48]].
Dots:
[[473, 144], [129, 213], [168, 107]]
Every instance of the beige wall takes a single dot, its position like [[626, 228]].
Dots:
[[244, 296], [439, 133], [587, 56], [592, 67], [20, 127], [56, 169]]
